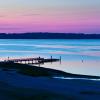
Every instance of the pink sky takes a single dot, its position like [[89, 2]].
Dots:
[[50, 16]]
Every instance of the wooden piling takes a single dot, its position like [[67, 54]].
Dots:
[[51, 59], [60, 59]]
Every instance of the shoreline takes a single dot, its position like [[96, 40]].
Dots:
[[41, 71]]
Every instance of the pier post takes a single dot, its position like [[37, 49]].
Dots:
[[28, 61], [39, 61], [32, 61], [39, 58], [25, 62], [8, 58]]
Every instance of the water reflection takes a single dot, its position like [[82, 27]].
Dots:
[[76, 67]]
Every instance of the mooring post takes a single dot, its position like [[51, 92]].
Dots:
[[60, 59], [51, 59]]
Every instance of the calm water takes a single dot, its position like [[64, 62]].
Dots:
[[73, 52]]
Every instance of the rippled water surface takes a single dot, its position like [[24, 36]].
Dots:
[[78, 56]]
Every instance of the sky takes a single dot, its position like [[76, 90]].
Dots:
[[50, 16]]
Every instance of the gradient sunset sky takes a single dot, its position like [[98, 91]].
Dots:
[[50, 16]]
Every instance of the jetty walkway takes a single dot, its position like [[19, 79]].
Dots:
[[37, 60]]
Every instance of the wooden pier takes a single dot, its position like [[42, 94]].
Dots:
[[37, 60]]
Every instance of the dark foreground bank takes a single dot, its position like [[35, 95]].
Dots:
[[26, 82]]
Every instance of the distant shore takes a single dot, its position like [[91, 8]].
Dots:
[[46, 35]]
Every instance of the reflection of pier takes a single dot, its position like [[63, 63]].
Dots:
[[37, 60]]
